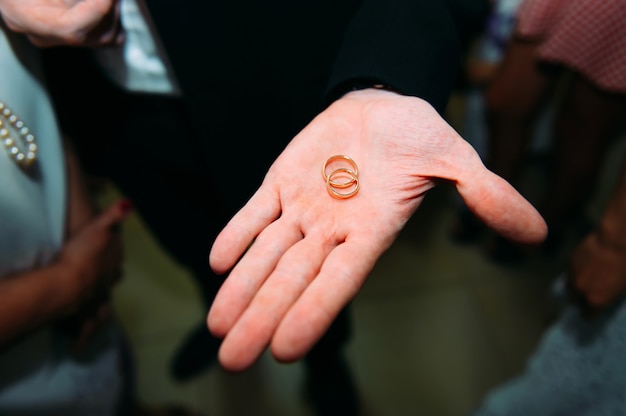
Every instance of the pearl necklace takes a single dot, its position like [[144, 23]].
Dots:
[[23, 158]]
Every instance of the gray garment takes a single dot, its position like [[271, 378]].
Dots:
[[578, 369]]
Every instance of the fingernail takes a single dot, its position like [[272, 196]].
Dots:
[[126, 206]]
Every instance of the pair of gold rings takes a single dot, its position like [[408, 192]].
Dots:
[[342, 182]]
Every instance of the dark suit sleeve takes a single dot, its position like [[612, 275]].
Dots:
[[412, 46]]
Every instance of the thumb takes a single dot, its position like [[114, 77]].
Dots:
[[113, 216], [492, 199], [495, 202]]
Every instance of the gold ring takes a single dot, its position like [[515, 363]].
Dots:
[[330, 181], [354, 182], [340, 185]]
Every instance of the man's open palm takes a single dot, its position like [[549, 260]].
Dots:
[[307, 253]]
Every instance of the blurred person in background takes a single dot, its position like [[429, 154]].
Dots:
[[576, 50], [61, 349], [578, 368]]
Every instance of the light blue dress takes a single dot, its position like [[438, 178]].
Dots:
[[38, 375]]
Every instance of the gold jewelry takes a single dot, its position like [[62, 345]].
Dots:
[[344, 158], [354, 181], [342, 185], [26, 154]]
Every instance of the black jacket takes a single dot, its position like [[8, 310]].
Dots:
[[255, 72], [414, 46]]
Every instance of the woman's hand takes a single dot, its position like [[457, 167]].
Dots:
[[92, 261]]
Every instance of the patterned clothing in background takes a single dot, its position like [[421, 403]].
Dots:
[[586, 35]]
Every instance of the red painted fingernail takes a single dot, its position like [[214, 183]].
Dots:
[[126, 206]]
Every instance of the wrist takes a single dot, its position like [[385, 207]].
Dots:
[[67, 287], [358, 84]]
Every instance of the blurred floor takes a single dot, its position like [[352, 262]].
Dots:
[[436, 325]]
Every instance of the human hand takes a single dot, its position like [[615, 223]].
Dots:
[[47, 23], [597, 275], [93, 257], [311, 252]]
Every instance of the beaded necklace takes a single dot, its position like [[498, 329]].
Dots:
[[25, 154]]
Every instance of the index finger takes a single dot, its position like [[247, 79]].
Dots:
[[262, 210]]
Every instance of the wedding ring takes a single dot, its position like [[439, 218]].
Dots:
[[346, 159], [341, 172]]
